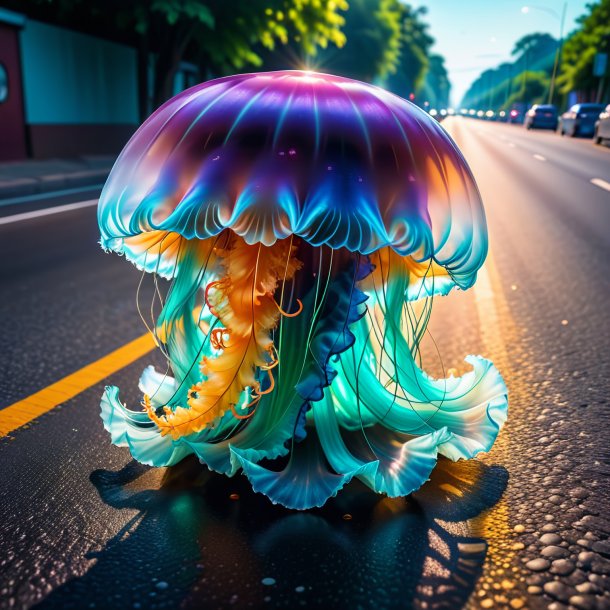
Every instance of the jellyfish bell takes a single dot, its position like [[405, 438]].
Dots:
[[298, 216]]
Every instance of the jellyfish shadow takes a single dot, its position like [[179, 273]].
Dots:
[[201, 540]]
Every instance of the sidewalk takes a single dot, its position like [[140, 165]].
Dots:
[[32, 176]]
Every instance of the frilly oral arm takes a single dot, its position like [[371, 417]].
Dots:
[[243, 300]]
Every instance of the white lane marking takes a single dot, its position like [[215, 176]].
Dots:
[[539, 157], [601, 183], [511, 144], [47, 212], [50, 194]]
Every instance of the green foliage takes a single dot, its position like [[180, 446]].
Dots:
[[381, 41], [374, 39], [188, 9], [579, 50], [436, 86], [500, 87], [388, 44], [315, 23], [414, 59], [537, 45], [226, 36], [530, 88]]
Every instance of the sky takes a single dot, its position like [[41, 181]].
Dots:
[[473, 35]]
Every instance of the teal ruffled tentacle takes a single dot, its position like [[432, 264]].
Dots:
[[306, 482], [402, 462], [134, 430], [394, 392], [184, 343]]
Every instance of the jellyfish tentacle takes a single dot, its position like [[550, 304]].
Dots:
[[402, 462], [332, 335], [291, 315], [241, 416], [243, 302], [279, 417], [471, 408], [271, 387], [179, 324], [306, 481]]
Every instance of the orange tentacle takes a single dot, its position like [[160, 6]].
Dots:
[[248, 415], [271, 384], [274, 359], [217, 338], [206, 295], [291, 315]]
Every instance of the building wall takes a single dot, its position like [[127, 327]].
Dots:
[[80, 92]]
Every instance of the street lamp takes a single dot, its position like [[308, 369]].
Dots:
[[525, 10]]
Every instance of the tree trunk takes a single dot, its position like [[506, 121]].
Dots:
[[143, 55], [168, 62]]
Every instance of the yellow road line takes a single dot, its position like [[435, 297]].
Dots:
[[24, 411]]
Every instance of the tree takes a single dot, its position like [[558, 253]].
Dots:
[[579, 50], [220, 36], [499, 87], [223, 36], [536, 48], [436, 83], [414, 58], [374, 40], [530, 88]]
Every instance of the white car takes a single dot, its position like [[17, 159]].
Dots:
[[602, 126]]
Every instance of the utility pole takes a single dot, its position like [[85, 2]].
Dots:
[[490, 90], [509, 85], [557, 64], [600, 67], [524, 80]]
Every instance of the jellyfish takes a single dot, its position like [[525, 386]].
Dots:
[[305, 222]]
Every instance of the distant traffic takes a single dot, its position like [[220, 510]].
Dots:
[[580, 120]]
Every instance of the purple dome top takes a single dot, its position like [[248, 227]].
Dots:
[[332, 160]]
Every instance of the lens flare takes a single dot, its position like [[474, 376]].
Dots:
[[298, 216]]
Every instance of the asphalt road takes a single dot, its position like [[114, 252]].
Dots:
[[525, 526]]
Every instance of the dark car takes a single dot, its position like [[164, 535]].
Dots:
[[541, 116], [580, 120], [602, 127]]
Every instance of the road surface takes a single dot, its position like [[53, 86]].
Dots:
[[525, 526]]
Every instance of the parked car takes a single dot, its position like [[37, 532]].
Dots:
[[541, 116], [580, 120], [602, 126]]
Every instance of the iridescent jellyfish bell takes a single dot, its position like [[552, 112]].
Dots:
[[298, 217]]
